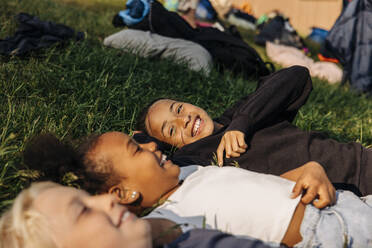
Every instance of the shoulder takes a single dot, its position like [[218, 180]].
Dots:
[[187, 171]]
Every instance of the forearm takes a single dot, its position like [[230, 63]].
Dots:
[[294, 175]]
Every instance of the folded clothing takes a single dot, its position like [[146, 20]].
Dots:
[[147, 44]]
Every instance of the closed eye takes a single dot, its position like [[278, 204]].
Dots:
[[138, 149], [84, 211], [179, 109]]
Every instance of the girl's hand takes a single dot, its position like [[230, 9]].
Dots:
[[233, 144], [315, 186]]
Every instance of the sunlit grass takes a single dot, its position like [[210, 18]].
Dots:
[[83, 87]]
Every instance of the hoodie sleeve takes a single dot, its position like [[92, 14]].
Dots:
[[277, 97]]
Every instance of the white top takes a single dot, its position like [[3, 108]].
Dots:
[[232, 200]]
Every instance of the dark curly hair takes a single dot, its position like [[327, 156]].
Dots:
[[54, 159]]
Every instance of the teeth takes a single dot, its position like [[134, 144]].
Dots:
[[163, 159], [196, 126], [125, 216]]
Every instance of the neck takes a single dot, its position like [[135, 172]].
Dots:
[[166, 195], [144, 210]]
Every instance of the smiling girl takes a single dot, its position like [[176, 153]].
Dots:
[[257, 134], [249, 204]]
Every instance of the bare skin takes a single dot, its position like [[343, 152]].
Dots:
[[142, 170], [179, 123], [77, 219], [319, 191]]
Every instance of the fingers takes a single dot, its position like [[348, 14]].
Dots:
[[309, 196], [231, 148], [297, 190], [241, 142], [235, 141], [233, 155], [233, 144], [327, 196], [332, 193], [320, 197], [220, 149], [321, 203], [310, 193], [324, 200], [228, 148], [236, 147]]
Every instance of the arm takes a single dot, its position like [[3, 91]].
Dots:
[[277, 97], [312, 179]]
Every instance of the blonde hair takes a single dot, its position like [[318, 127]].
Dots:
[[22, 226]]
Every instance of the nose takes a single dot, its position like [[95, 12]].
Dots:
[[104, 202], [151, 146], [108, 205], [183, 120]]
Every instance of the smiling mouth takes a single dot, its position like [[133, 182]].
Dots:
[[163, 160], [196, 126]]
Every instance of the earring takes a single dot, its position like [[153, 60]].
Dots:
[[134, 194]]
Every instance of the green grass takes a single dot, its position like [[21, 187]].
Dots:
[[79, 88]]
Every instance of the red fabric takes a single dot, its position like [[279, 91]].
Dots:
[[322, 58]]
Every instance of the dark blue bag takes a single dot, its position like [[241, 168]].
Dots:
[[350, 41]]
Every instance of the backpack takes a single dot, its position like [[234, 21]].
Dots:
[[233, 53], [278, 30], [228, 51], [350, 41]]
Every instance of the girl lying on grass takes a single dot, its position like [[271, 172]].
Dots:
[[48, 215], [257, 134], [248, 204]]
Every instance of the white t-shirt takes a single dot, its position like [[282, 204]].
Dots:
[[232, 200]]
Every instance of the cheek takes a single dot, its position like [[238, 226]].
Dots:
[[211, 126], [94, 231], [102, 237]]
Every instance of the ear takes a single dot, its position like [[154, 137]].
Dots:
[[125, 196]]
